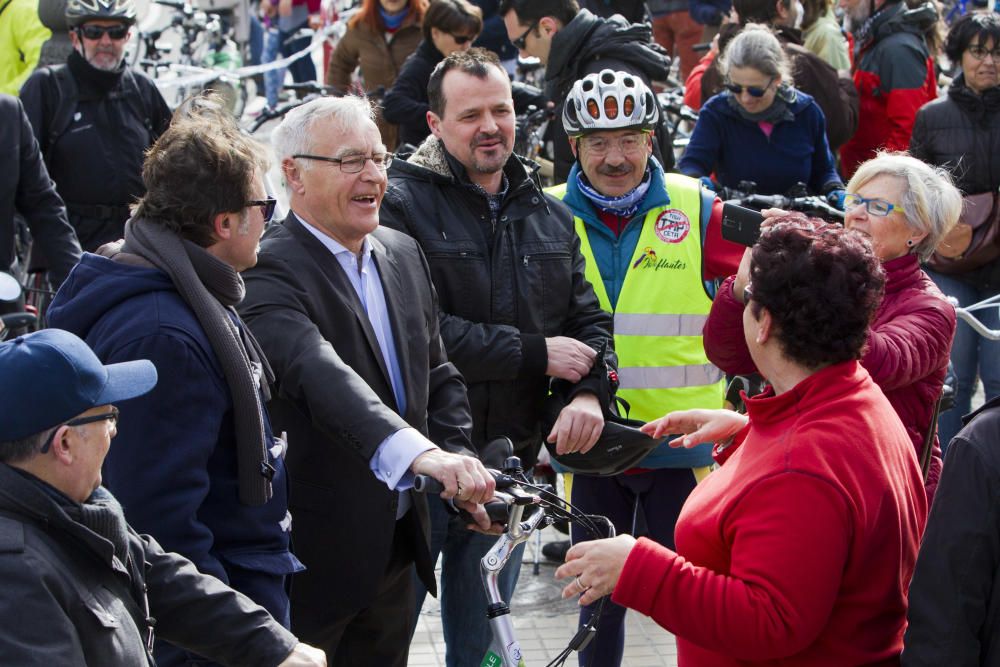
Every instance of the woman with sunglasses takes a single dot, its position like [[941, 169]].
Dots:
[[449, 26], [961, 131], [379, 39], [903, 207], [760, 128]]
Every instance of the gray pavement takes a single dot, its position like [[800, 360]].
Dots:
[[545, 623]]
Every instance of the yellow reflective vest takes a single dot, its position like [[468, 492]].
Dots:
[[661, 309]]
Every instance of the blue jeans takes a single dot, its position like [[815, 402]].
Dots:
[[643, 505], [272, 78], [303, 70], [972, 355], [467, 632]]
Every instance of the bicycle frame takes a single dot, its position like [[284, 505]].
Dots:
[[967, 314], [491, 565]]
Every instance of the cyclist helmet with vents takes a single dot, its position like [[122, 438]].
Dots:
[[79, 12], [609, 100]]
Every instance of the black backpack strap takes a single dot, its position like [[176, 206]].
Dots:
[[136, 100], [64, 105]]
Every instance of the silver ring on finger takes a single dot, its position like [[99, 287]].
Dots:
[[579, 584]]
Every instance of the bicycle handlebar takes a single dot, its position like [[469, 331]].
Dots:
[[804, 204], [966, 314]]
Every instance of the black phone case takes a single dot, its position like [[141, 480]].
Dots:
[[741, 225]]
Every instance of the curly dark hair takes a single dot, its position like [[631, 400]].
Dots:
[[201, 166], [820, 283]]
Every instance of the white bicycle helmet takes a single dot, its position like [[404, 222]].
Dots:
[[609, 100], [79, 12]]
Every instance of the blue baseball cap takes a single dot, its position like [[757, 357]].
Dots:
[[51, 376]]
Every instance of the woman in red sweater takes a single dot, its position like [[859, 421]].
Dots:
[[905, 208], [799, 549]]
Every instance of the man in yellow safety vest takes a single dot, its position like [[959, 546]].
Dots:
[[652, 243]]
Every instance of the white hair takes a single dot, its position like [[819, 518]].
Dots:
[[294, 135], [931, 202]]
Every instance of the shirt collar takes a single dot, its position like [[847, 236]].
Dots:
[[336, 248]]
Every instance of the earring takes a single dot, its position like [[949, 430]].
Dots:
[[909, 243]]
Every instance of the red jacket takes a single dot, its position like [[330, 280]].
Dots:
[[907, 353], [799, 550], [894, 75]]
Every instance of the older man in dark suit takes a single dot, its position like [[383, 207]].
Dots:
[[346, 314]]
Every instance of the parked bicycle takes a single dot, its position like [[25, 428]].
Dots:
[[205, 41]]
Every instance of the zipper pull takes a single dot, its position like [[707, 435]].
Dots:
[[525, 259]]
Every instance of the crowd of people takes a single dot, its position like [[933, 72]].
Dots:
[[425, 301]]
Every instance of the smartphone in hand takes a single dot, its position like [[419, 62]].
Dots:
[[740, 224]]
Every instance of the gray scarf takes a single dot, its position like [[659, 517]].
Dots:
[[212, 288], [774, 114]]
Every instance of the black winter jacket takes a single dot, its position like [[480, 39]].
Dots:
[[954, 613], [96, 162], [501, 292], [961, 131], [25, 185], [70, 600], [588, 44]]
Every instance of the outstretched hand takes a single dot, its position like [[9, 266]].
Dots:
[[698, 426], [595, 567]]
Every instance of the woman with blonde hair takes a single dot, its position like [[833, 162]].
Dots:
[[904, 207]]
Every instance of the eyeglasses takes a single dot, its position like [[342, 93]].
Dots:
[[266, 207], [629, 143], [462, 39], [754, 91], [876, 207], [95, 32], [979, 52], [521, 43], [353, 164], [81, 421]]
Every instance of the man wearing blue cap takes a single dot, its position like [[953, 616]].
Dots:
[[80, 586]]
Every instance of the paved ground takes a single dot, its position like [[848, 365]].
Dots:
[[545, 623]]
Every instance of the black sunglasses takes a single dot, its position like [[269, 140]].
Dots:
[[754, 91], [266, 207], [95, 32], [521, 42], [462, 39], [80, 421]]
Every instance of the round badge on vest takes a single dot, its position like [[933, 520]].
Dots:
[[672, 226]]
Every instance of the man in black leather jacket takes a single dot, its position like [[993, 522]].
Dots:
[[572, 43], [516, 308]]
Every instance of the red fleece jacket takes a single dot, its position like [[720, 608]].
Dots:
[[799, 550], [907, 355]]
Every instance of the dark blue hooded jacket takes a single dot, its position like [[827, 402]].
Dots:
[[173, 463], [736, 149]]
